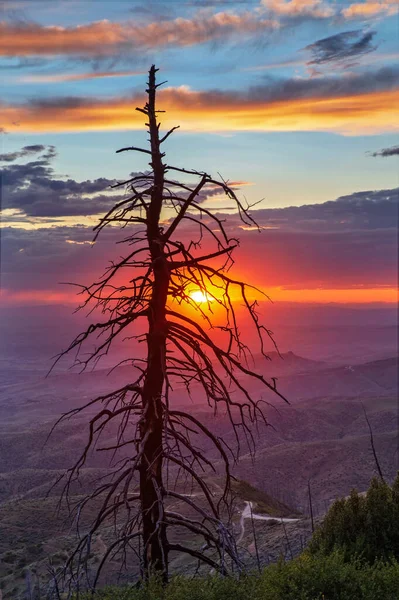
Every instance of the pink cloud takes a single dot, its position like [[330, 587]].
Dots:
[[109, 38], [300, 8], [371, 8]]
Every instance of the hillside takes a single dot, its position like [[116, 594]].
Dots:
[[36, 532], [321, 435]]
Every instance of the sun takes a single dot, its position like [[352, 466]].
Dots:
[[200, 297]]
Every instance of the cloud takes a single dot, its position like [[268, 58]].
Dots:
[[340, 47], [345, 243], [25, 151], [316, 9], [32, 193], [299, 260], [214, 191], [370, 8], [367, 210], [106, 38], [31, 41], [34, 260], [362, 103], [393, 151], [350, 243], [33, 190]]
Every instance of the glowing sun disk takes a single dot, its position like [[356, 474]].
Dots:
[[199, 296]]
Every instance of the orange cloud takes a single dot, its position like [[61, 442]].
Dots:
[[371, 8], [300, 8], [106, 37], [321, 9], [354, 114]]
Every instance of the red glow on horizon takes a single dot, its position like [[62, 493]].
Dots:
[[388, 295]]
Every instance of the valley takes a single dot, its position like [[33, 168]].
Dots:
[[320, 439]]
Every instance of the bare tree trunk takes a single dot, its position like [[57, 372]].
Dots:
[[310, 505], [255, 539], [377, 462], [151, 428]]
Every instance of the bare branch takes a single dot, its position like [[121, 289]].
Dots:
[[133, 148]]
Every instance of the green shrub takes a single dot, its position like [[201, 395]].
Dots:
[[352, 556], [367, 527], [308, 577]]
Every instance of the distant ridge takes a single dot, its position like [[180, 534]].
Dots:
[[286, 363]]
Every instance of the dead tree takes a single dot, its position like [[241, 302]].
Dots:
[[180, 347], [377, 462], [310, 505]]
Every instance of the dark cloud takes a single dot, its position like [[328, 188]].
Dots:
[[367, 210], [159, 10], [51, 112], [326, 86], [34, 189], [274, 89], [393, 151], [25, 151], [350, 242], [68, 102], [41, 259], [352, 106], [341, 47]]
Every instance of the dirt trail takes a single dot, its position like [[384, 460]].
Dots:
[[246, 514]]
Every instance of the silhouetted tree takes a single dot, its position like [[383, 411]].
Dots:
[[180, 347]]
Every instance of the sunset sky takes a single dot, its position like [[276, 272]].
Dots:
[[295, 102]]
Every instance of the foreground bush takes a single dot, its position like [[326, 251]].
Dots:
[[305, 578], [362, 526], [352, 556]]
